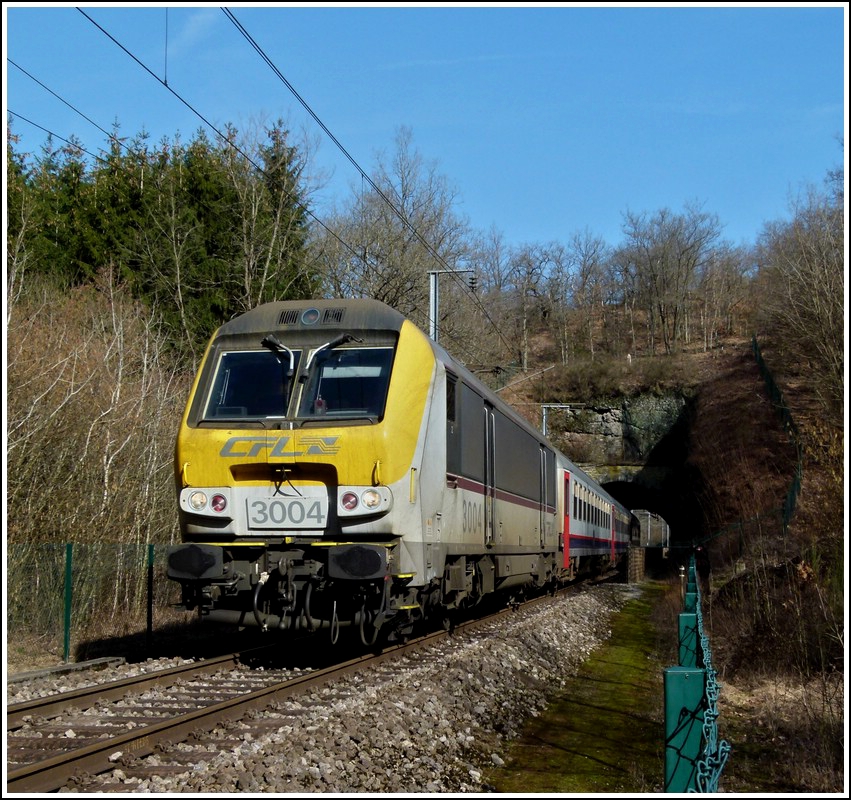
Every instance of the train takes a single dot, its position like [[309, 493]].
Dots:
[[337, 470]]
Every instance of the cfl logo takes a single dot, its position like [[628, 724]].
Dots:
[[253, 446]]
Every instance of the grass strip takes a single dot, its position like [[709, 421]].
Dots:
[[604, 732]]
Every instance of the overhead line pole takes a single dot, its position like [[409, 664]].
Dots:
[[434, 299]]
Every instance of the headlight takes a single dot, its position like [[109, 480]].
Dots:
[[197, 500], [371, 498], [218, 503], [358, 501]]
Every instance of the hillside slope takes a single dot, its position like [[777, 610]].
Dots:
[[776, 607], [774, 604]]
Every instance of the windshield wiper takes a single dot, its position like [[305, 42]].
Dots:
[[272, 343], [344, 338]]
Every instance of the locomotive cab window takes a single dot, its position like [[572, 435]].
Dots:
[[347, 383], [249, 384]]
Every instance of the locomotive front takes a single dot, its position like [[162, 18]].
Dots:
[[296, 453]]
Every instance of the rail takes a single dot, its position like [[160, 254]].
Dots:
[[694, 756]]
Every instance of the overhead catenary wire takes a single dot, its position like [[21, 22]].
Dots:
[[130, 150], [56, 135], [364, 176], [76, 110], [259, 168], [177, 95], [348, 247]]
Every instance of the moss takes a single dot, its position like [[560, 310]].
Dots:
[[605, 731]]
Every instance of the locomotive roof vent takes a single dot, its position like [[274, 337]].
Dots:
[[333, 316], [294, 316], [289, 317]]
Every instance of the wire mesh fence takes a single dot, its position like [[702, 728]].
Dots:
[[63, 595], [791, 428]]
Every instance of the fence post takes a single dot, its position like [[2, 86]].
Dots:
[[66, 650], [150, 628], [685, 692], [688, 640]]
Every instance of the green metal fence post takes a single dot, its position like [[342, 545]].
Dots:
[[688, 640], [150, 628], [685, 693], [68, 592], [692, 578]]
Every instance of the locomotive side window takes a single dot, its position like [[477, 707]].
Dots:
[[549, 490], [517, 460], [248, 384], [349, 382], [453, 436], [473, 442]]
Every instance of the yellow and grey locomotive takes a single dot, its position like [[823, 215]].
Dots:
[[336, 468]]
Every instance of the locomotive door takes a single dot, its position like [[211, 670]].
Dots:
[[489, 488], [567, 511], [613, 531], [543, 512]]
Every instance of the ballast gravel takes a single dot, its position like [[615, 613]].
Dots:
[[432, 722]]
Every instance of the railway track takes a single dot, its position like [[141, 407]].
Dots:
[[162, 723], [88, 731], [66, 740]]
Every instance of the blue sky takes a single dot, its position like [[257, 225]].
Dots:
[[546, 120]]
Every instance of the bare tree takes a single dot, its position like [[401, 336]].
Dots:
[[721, 291], [267, 173], [802, 264], [559, 291], [669, 248], [483, 327], [394, 231], [624, 272], [92, 409], [590, 256], [167, 244], [529, 265]]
